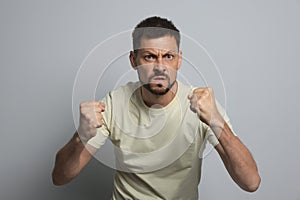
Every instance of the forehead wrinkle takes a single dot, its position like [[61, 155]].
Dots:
[[157, 51], [166, 43]]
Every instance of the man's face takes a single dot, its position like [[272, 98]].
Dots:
[[157, 62]]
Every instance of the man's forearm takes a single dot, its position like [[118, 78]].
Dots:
[[68, 161], [237, 158]]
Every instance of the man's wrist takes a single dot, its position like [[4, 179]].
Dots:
[[217, 121], [217, 125], [80, 138]]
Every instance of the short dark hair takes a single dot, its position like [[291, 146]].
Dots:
[[154, 27]]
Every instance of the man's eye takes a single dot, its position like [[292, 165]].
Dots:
[[149, 57], [169, 56]]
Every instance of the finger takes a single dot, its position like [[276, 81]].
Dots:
[[201, 95], [98, 106], [198, 111], [193, 99], [99, 120], [192, 109], [89, 103], [193, 102], [84, 103], [95, 121], [98, 103], [98, 109], [93, 103], [102, 105], [195, 109]]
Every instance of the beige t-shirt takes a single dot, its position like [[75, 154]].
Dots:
[[158, 151]]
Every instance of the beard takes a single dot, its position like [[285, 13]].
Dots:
[[159, 88]]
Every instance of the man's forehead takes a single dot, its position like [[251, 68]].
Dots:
[[157, 50], [166, 43]]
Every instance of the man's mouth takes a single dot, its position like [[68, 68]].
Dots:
[[159, 78]]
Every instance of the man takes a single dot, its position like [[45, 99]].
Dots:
[[153, 125]]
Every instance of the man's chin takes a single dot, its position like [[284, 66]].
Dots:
[[157, 89]]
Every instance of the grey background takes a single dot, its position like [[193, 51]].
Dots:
[[42, 44]]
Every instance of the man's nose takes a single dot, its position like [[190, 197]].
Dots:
[[159, 65]]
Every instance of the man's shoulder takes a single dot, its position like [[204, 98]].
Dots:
[[128, 87], [122, 91], [184, 89]]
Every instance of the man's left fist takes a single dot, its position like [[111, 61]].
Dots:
[[203, 103]]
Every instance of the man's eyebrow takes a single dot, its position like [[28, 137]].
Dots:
[[171, 51], [147, 51]]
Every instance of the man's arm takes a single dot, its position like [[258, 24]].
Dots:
[[70, 160], [236, 157], [74, 156]]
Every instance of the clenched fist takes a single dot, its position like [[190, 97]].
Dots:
[[203, 103], [90, 119]]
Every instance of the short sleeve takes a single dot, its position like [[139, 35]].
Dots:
[[104, 131], [99, 139]]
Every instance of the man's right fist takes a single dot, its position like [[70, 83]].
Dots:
[[90, 119]]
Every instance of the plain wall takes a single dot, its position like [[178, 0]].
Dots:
[[255, 44]]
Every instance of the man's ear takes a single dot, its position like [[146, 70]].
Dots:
[[132, 58]]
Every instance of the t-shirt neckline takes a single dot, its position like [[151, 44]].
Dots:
[[157, 110]]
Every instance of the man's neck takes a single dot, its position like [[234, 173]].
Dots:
[[160, 100]]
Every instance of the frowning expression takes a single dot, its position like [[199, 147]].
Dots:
[[157, 62]]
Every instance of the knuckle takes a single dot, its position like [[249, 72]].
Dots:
[[199, 104], [84, 103], [95, 108], [81, 105], [197, 90], [102, 106], [95, 103], [87, 116], [83, 110]]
